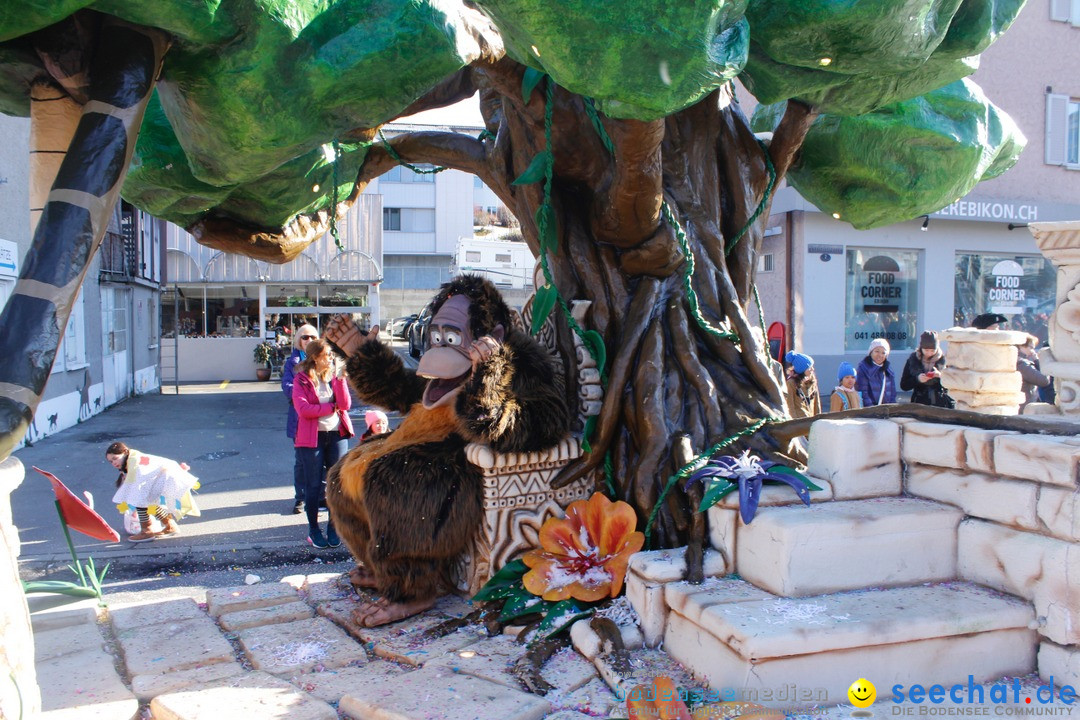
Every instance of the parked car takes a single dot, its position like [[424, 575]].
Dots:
[[398, 327], [418, 332]]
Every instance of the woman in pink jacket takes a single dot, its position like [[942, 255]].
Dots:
[[322, 402]]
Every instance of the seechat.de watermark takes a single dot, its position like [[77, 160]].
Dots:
[[1000, 699]]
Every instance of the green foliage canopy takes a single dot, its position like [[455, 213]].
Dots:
[[253, 92]]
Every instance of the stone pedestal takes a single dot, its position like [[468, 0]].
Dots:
[[17, 651], [1059, 242], [982, 375]]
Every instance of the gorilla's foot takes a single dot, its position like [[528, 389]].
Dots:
[[361, 577], [383, 611]]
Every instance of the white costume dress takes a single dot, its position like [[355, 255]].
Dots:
[[154, 482]]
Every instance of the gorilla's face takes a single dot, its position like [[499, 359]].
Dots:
[[447, 363]]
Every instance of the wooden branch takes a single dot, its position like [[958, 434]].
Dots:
[[527, 667], [455, 88], [453, 150], [789, 429], [789, 136]]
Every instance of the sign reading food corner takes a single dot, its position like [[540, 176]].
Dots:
[[880, 291], [881, 298], [1005, 295]]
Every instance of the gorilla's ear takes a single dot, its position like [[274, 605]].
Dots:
[[498, 333]]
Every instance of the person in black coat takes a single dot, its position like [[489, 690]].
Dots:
[[922, 373]]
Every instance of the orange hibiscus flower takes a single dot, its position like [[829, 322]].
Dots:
[[584, 555]]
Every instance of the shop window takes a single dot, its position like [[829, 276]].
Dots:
[[232, 311], [1022, 288], [1062, 131], [881, 298]]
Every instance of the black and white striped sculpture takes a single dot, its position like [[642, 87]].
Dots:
[[122, 70]]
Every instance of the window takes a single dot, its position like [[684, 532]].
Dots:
[[765, 263], [881, 298], [409, 219], [1023, 288], [402, 174], [72, 354], [502, 257], [1062, 130], [477, 182], [114, 330], [391, 219], [472, 256], [1065, 11]]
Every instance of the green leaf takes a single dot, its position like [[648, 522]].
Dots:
[[522, 602], [59, 587], [548, 228], [507, 579], [529, 82], [536, 171], [560, 616], [542, 306], [594, 341], [716, 492], [784, 470], [586, 435]]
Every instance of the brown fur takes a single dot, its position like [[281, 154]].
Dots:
[[407, 505]]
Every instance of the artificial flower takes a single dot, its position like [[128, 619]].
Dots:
[[584, 555]]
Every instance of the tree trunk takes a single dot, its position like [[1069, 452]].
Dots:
[[668, 375]]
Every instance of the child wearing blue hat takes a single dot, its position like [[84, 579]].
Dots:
[[844, 395], [803, 397]]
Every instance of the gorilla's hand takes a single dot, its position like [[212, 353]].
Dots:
[[482, 349], [345, 336]]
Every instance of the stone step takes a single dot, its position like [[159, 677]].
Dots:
[[795, 551], [924, 634]]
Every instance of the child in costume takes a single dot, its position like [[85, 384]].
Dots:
[[153, 486]]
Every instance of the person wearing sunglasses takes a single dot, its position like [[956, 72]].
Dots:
[[304, 335]]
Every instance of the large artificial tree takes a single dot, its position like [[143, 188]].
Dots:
[[611, 131]]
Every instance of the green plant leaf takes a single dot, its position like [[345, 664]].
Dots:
[[594, 341], [529, 81], [59, 587], [784, 470], [560, 616], [536, 171], [548, 228], [587, 433], [507, 579], [543, 303], [716, 492], [522, 602]]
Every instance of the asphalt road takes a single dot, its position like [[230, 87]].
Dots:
[[232, 435]]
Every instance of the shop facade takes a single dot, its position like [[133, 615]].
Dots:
[[837, 288], [217, 307]]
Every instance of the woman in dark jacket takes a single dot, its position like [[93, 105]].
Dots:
[[874, 379], [922, 373]]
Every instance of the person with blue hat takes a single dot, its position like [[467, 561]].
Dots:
[[803, 397], [844, 395]]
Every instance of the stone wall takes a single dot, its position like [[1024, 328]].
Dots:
[[17, 652], [1021, 531]]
